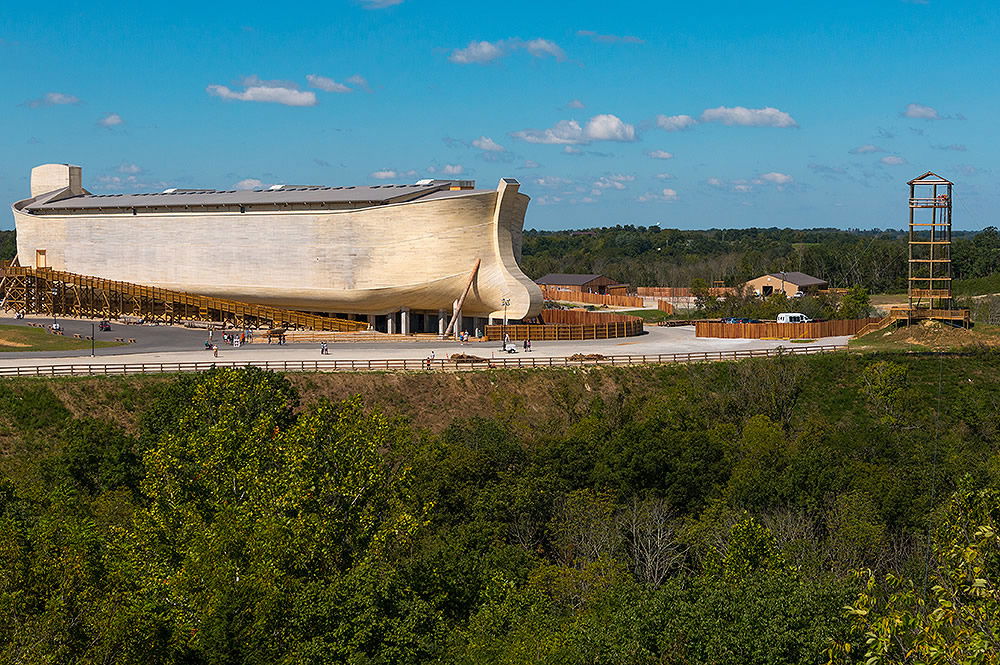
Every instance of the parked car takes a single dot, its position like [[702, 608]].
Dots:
[[793, 317], [104, 326]]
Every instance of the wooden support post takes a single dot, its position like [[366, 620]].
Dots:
[[456, 315]]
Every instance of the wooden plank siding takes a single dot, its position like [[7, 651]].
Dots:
[[814, 330], [568, 324], [551, 293]]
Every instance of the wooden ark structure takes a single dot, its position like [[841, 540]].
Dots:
[[398, 258]]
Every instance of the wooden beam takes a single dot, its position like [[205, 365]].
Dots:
[[457, 313]]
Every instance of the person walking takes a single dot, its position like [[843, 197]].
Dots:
[[215, 350]]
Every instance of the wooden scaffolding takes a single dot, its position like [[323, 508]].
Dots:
[[55, 293], [929, 276]]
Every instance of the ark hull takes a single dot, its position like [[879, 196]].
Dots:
[[373, 260]]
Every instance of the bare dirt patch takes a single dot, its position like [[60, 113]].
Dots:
[[8, 342], [932, 336]]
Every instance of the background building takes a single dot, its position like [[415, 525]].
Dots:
[[792, 283]]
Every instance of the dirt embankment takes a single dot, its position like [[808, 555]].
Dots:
[[933, 336]]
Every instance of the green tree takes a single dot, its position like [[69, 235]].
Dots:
[[952, 618], [255, 515]]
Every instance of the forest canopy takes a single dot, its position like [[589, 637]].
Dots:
[[724, 513]]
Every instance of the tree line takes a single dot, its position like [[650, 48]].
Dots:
[[651, 256], [707, 514]]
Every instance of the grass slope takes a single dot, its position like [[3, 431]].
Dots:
[[23, 338]]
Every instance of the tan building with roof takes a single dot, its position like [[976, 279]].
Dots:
[[792, 283]]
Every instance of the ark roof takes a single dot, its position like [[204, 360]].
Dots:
[[280, 195]]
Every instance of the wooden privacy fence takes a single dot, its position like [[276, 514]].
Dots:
[[769, 330], [665, 306], [570, 324], [563, 332], [439, 364], [550, 293], [583, 317], [679, 291]]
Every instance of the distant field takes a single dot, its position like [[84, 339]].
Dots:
[[23, 338]]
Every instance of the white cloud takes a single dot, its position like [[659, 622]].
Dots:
[[621, 177], [542, 47], [776, 178], [920, 111], [954, 147], [605, 127], [664, 176], [110, 120], [892, 160], [488, 144], [609, 39], [552, 181], [52, 99], [865, 149], [666, 195], [453, 169], [607, 183], [326, 84], [359, 81], [385, 174], [673, 123], [380, 4], [530, 164], [564, 132], [570, 150], [477, 52], [714, 182], [248, 183], [130, 168], [575, 104], [742, 116], [742, 188], [481, 52], [276, 92], [660, 154], [548, 200]]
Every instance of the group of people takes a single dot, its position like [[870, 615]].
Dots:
[[324, 349], [233, 339]]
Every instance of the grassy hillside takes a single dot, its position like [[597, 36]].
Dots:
[[679, 514]]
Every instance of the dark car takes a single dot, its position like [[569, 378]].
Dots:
[[104, 326]]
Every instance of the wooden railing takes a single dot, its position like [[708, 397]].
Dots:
[[930, 203], [188, 305], [506, 362], [815, 330]]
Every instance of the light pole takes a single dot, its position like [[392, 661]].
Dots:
[[93, 339], [503, 328]]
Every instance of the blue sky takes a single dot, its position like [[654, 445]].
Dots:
[[687, 115]]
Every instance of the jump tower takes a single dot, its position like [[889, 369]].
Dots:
[[929, 278]]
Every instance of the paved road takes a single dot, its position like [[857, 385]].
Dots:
[[176, 344]]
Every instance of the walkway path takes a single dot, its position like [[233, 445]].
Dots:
[[156, 344]]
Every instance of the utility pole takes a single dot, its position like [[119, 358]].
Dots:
[[503, 328], [93, 339]]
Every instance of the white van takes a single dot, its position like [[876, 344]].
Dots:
[[793, 317]]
